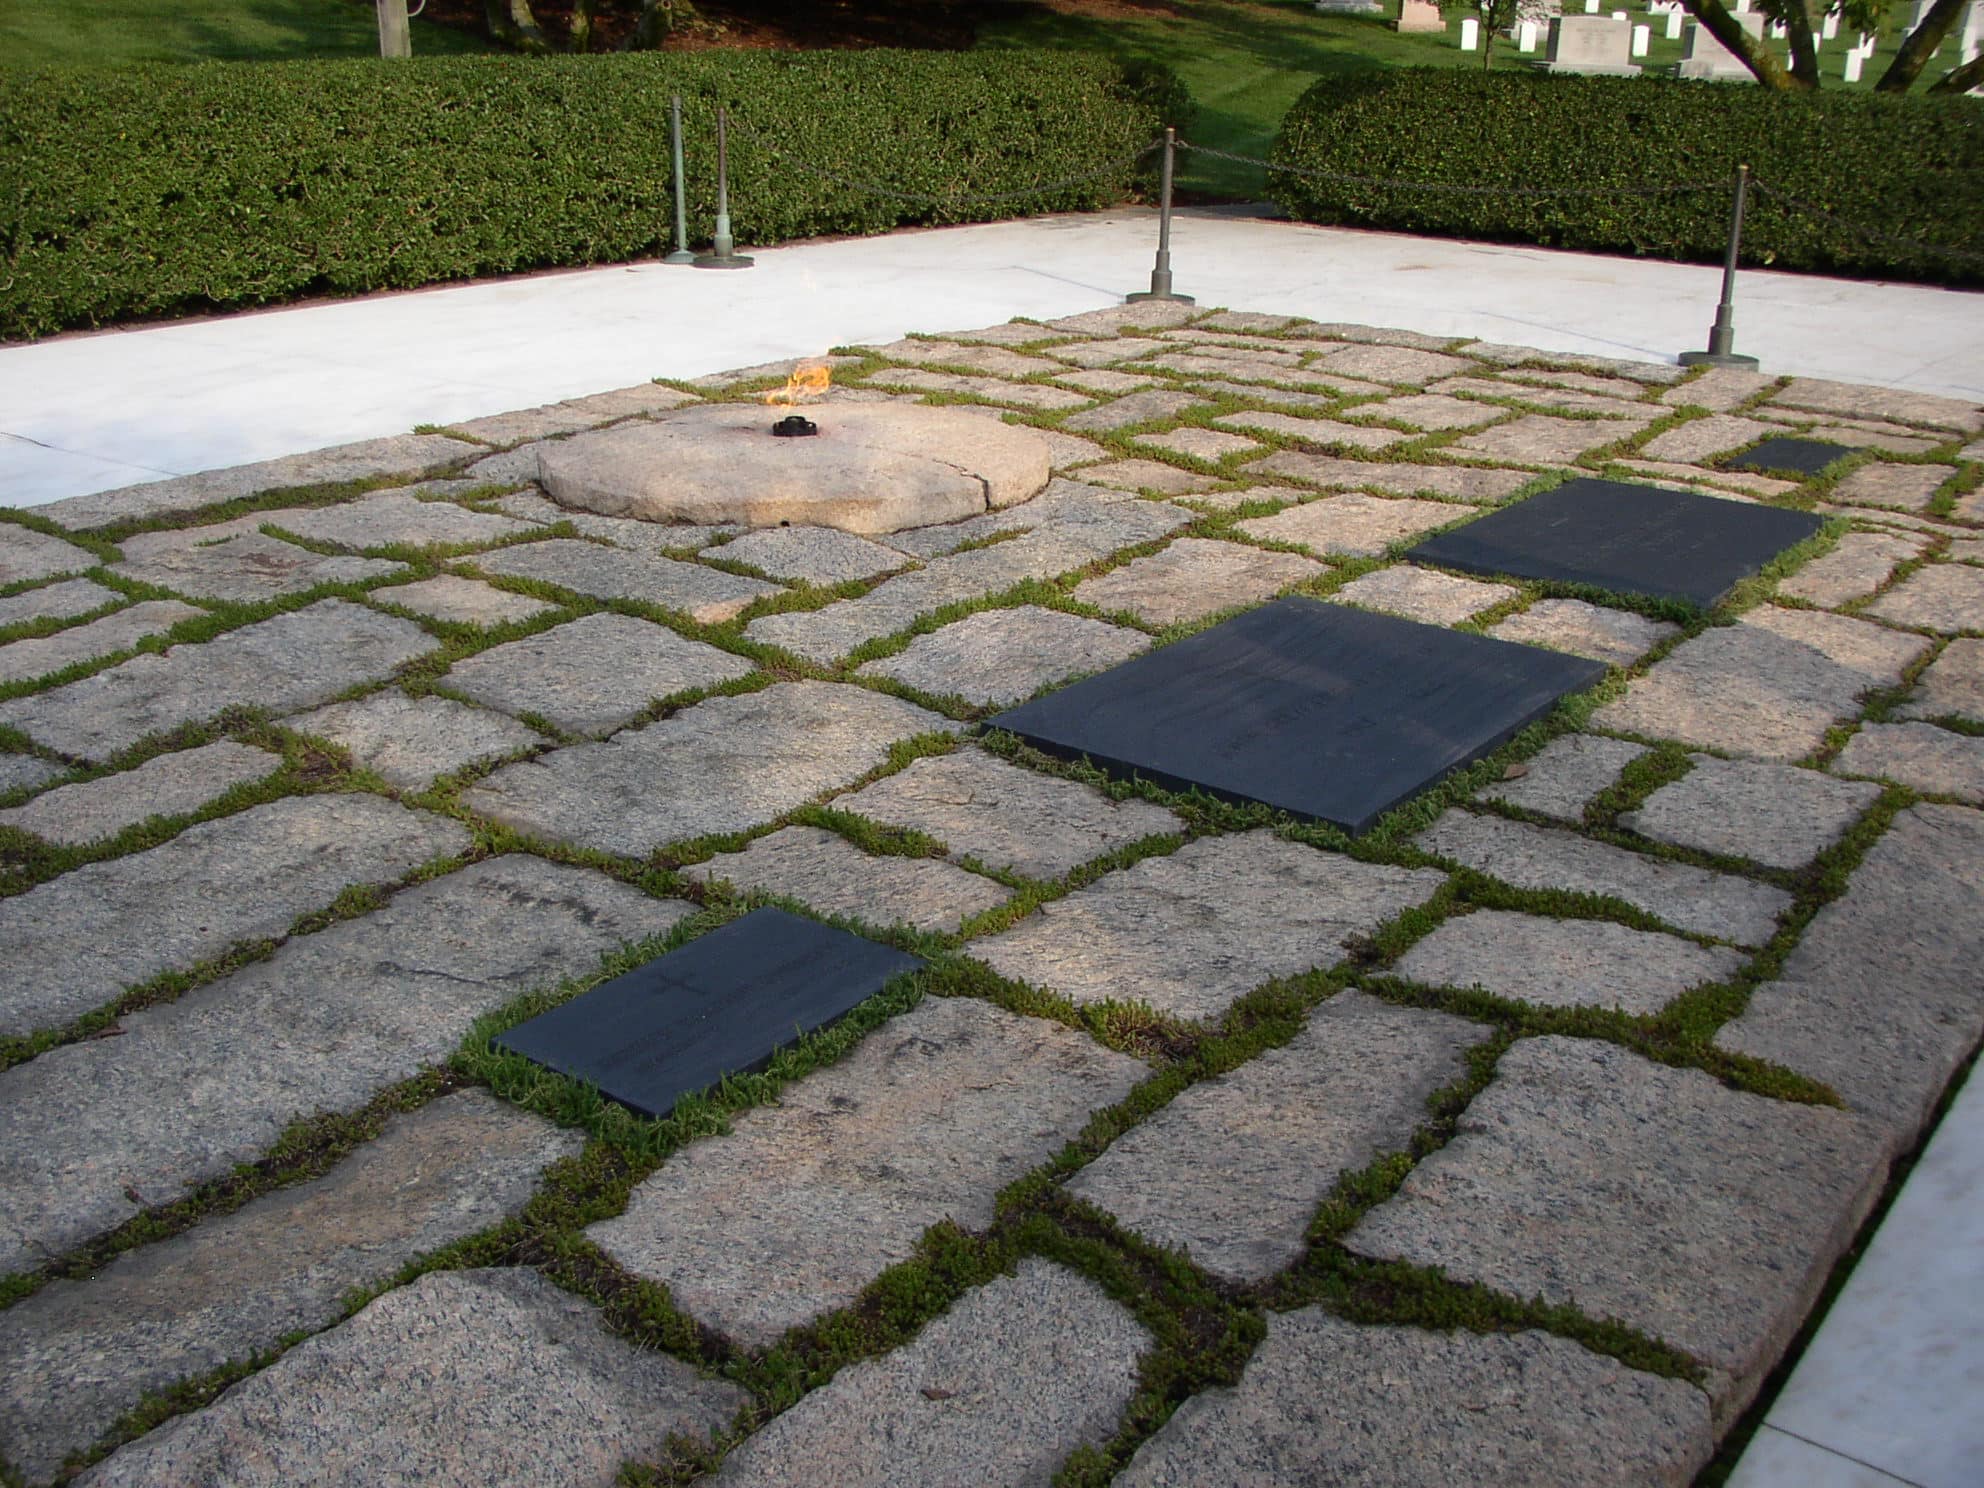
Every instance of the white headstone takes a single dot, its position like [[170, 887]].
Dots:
[[1972, 40], [1703, 58], [1620, 15], [1470, 33], [1526, 36], [1742, 7], [1777, 29], [1591, 7], [1830, 27], [1854, 62], [1591, 44], [1642, 39], [1675, 18], [1420, 15]]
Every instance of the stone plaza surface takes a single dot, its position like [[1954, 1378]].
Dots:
[[1515, 1138]]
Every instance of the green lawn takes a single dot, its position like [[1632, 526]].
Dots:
[[1245, 63], [93, 32]]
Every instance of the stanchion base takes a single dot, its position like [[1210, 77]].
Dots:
[[721, 261], [1151, 294], [684, 256], [1717, 359]]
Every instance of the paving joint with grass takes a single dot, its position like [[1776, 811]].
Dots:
[[1171, 1071]]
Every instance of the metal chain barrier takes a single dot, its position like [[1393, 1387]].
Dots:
[[1783, 198], [1457, 190], [956, 199]]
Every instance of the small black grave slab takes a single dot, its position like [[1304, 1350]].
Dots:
[[721, 1005], [1625, 538], [1329, 713], [1797, 456]]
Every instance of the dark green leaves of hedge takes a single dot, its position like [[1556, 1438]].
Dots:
[[167, 190], [1894, 168]]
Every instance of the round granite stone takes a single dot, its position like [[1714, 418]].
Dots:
[[872, 468]]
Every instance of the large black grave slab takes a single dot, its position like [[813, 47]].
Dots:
[[1624, 538], [1329, 713], [1795, 456], [721, 1005]]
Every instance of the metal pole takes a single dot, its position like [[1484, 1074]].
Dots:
[[723, 252], [681, 255], [1722, 334], [1160, 274]]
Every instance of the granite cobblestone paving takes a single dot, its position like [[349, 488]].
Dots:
[[1669, 1197]]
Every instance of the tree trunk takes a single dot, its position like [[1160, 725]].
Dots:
[[658, 18], [1721, 24], [1966, 77], [512, 23], [581, 38], [1804, 51], [1914, 54]]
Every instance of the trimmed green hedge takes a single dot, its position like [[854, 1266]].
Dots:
[[165, 190], [1902, 168]]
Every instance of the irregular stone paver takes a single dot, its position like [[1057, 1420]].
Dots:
[[76, 941], [1382, 363], [281, 664], [1009, 333], [1328, 1401], [1007, 818], [78, 1354], [1654, 373], [1199, 444], [26, 554], [1942, 596], [1857, 567], [168, 785], [996, 390], [1951, 686], [1423, 594], [1002, 656], [831, 875], [1000, 1389], [520, 424], [806, 1201], [1905, 486], [1149, 475], [397, 454], [997, 360], [462, 601], [628, 402], [815, 555], [462, 1378], [1258, 367], [1531, 857], [1234, 500], [1193, 578], [1918, 755], [594, 674], [1718, 389], [18, 771], [1708, 481], [1106, 353], [657, 538], [1190, 933], [1768, 686], [63, 601], [1771, 814], [1097, 529], [1880, 999], [1101, 380], [1565, 963], [1858, 400], [114, 632], [1233, 1169], [1704, 438], [1146, 315], [1564, 775], [248, 566], [707, 595], [1312, 430], [1355, 525], [92, 1132], [724, 765], [395, 517], [1137, 408], [1432, 411], [1588, 1176], [1465, 483], [1246, 320], [409, 742], [1537, 439], [1276, 397]]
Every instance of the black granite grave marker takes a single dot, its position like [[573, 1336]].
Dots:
[[1625, 538], [1797, 456], [721, 1005], [1327, 712]]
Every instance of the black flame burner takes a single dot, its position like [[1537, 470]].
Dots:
[[792, 426]]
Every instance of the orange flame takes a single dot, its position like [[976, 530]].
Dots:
[[808, 381]]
